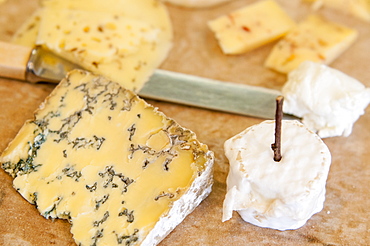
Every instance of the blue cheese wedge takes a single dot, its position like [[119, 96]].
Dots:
[[123, 40], [314, 39], [120, 171], [251, 27]]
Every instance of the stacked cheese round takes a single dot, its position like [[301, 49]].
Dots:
[[280, 195]]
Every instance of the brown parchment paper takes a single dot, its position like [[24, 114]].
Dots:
[[345, 217]]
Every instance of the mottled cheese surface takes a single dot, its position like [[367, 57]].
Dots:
[[250, 27], [314, 39], [120, 171]]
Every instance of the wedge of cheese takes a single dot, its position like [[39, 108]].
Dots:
[[251, 27], [314, 39], [123, 40], [120, 171], [357, 8]]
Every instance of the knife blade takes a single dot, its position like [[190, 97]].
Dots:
[[40, 65]]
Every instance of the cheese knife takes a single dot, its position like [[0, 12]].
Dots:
[[40, 65]]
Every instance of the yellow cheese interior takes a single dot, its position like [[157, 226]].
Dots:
[[124, 40], [101, 157], [250, 27], [314, 39], [27, 33]]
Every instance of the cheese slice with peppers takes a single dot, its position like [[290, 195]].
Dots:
[[314, 39], [123, 40], [250, 27], [120, 171]]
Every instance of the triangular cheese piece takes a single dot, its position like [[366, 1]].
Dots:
[[251, 27]]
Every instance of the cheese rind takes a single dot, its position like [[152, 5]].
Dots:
[[120, 171], [280, 195], [314, 39], [251, 27], [328, 101]]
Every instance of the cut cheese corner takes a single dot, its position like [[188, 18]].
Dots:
[[118, 169]]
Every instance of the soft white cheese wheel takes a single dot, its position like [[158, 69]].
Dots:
[[328, 101], [280, 195]]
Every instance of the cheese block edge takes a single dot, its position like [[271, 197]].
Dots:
[[188, 202]]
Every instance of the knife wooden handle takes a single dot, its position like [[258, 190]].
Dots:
[[13, 60]]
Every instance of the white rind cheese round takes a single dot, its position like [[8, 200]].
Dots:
[[328, 100], [280, 195]]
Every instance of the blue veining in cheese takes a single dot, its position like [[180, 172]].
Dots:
[[120, 171]]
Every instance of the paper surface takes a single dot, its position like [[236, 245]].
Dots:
[[344, 219]]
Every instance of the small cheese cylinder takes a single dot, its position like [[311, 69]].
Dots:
[[280, 195], [251, 27]]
